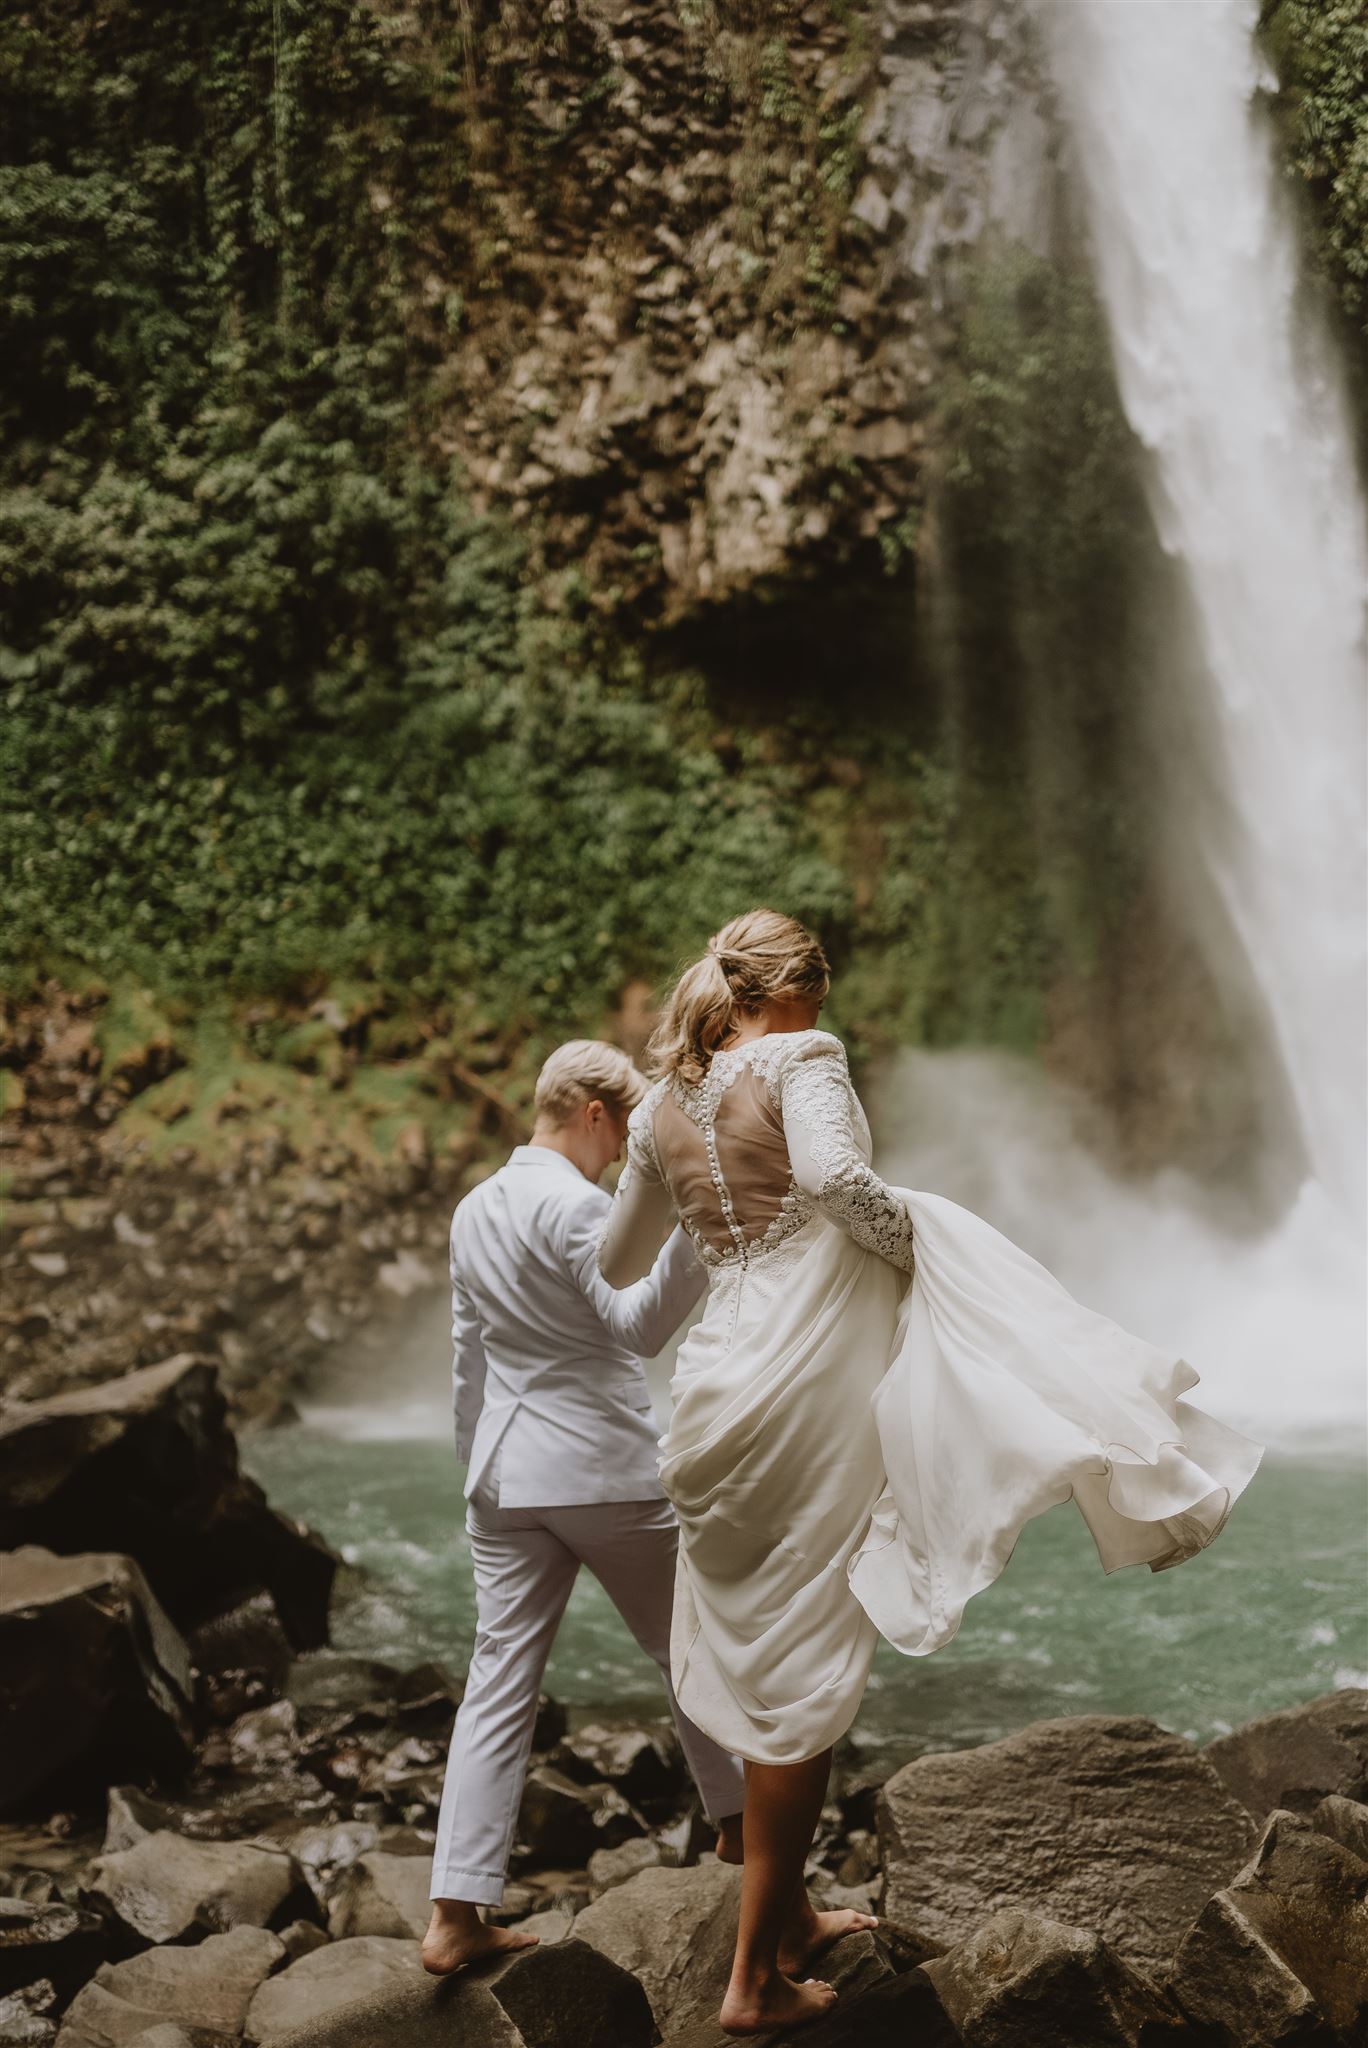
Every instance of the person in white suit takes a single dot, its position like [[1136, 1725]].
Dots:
[[554, 1420]]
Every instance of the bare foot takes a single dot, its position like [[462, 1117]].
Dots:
[[809, 1932], [448, 1947], [729, 1843], [759, 2009]]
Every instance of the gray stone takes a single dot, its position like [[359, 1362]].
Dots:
[[1284, 1945], [98, 1681], [302, 1937], [1295, 1758], [551, 1924], [333, 1977], [1103, 1823], [25, 2016], [167, 1887], [381, 1894], [1022, 1979], [1345, 1821], [556, 1996], [206, 1989], [675, 1930], [610, 1867]]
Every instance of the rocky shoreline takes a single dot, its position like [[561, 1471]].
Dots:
[[216, 1829], [281, 1233]]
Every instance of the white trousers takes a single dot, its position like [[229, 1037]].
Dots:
[[526, 1561]]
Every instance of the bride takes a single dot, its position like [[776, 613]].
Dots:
[[882, 1390]]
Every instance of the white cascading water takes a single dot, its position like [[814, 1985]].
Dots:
[[1234, 393]]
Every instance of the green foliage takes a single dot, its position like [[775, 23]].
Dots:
[[1321, 50], [283, 709]]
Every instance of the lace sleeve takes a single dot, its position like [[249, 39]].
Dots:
[[643, 1208], [818, 1106]]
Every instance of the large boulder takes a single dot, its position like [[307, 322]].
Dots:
[[148, 1466], [206, 1989], [1295, 1758], [97, 1681], [329, 1980], [563, 1995], [1022, 1979], [1284, 1948], [48, 1939], [382, 1894], [169, 1888], [1104, 1823], [675, 1931]]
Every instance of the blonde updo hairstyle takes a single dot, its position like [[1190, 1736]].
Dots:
[[759, 958]]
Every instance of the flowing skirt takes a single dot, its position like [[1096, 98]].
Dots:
[[852, 1455]]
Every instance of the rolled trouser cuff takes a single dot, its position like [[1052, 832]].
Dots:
[[474, 1887]]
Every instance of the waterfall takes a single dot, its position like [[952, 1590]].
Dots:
[[1232, 391]]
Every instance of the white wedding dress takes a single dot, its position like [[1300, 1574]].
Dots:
[[881, 1392]]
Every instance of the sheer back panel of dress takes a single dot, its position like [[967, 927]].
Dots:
[[724, 1156]]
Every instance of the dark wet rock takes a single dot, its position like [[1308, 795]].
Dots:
[[1109, 1824], [645, 1764], [168, 1888], [551, 1724], [1296, 1758], [1345, 1821], [97, 1681], [26, 2016], [1022, 1979], [51, 1940], [1283, 1947], [562, 1822], [242, 1657], [563, 1992], [320, 1984], [337, 1695], [206, 1989], [611, 1867], [146, 1465], [382, 1894]]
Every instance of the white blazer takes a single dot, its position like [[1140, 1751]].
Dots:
[[546, 1356]]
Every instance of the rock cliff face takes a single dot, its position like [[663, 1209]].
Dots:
[[721, 251]]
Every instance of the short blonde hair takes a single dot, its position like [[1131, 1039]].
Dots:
[[758, 958], [581, 1071]]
